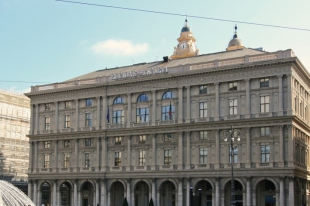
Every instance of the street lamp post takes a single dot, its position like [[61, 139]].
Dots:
[[233, 135]]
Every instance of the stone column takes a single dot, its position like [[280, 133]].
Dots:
[[97, 192], [254, 197], [282, 191], [180, 110], [154, 152], [75, 193], [217, 192], [129, 110], [291, 145], [30, 189], [281, 147], [98, 154], [35, 192], [79, 197], [217, 149], [180, 192], [56, 154], [36, 156], [54, 193], [188, 185], [104, 112], [154, 107], [76, 115], [180, 150], [103, 193], [188, 104], [289, 95], [39, 200], [188, 150], [154, 190], [217, 102], [56, 116], [248, 147], [291, 196], [248, 191], [128, 152], [98, 113], [76, 154], [280, 109], [109, 197], [37, 120], [104, 153], [30, 168], [128, 190], [32, 122], [247, 99]]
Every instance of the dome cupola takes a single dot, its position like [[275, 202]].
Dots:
[[235, 43]]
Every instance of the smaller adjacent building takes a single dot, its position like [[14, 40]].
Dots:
[[14, 146]]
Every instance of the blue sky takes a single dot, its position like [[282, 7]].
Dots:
[[51, 41]]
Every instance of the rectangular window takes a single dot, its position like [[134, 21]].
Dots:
[[203, 89], [232, 86], [87, 142], [118, 140], [118, 117], [47, 145], [264, 82], [88, 102], [264, 104], [87, 160], [233, 107], [66, 143], [47, 123], [46, 161], [203, 109], [66, 160], [142, 158], [265, 153], [88, 120], [67, 121], [203, 135], [264, 131], [167, 112], [47, 107], [118, 159], [167, 156], [142, 115], [203, 155], [68, 104], [142, 139], [167, 137], [234, 155]]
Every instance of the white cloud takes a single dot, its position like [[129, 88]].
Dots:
[[119, 48]]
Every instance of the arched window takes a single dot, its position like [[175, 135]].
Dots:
[[168, 95], [143, 98], [118, 100]]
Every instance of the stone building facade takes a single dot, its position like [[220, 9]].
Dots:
[[154, 130], [14, 128]]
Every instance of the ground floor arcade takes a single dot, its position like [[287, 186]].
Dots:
[[251, 191]]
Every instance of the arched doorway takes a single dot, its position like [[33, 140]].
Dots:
[[117, 194], [206, 192], [87, 194], [266, 193], [46, 194], [238, 193], [65, 194], [141, 194], [167, 194]]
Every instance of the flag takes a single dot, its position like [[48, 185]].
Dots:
[[108, 115], [170, 111]]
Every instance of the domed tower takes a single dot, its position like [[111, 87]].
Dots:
[[235, 43], [186, 46]]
